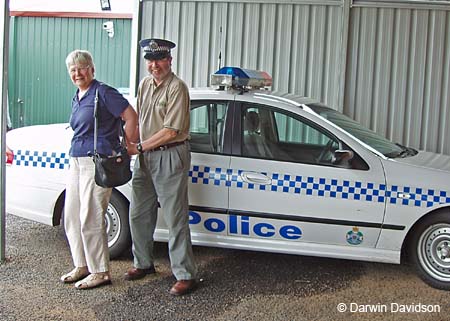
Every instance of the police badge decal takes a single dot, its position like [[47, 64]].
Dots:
[[355, 237]]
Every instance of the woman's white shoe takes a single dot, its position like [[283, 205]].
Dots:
[[93, 280], [75, 275]]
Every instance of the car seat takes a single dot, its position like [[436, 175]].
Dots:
[[254, 143]]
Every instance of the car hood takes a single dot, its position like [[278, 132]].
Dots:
[[428, 160], [40, 137]]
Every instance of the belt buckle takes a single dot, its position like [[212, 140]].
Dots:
[[163, 147]]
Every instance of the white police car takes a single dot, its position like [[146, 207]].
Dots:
[[272, 172]]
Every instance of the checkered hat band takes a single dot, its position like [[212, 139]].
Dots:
[[157, 49]]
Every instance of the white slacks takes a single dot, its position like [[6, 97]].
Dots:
[[84, 219]]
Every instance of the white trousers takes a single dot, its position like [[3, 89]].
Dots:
[[84, 216]]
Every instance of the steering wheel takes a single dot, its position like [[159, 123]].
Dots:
[[325, 152]]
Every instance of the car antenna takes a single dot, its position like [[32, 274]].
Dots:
[[220, 45]]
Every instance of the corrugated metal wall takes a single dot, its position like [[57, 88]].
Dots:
[[40, 89], [398, 73], [384, 63], [295, 42]]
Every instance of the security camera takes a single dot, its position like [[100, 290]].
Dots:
[[108, 25]]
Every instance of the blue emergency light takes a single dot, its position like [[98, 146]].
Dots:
[[239, 78]]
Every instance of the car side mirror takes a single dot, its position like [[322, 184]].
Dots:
[[342, 157]]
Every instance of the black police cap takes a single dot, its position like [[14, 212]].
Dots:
[[155, 49]]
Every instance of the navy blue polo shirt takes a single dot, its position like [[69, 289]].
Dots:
[[111, 104]]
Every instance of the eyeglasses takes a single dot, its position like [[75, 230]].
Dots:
[[74, 70]]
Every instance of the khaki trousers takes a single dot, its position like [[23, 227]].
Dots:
[[162, 176], [84, 216]]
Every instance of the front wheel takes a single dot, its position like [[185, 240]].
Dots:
[[117, 225], [430, 250]]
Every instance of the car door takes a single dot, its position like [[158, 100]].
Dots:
[[210, 149], [286, 186]]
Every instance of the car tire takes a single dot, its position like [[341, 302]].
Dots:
[[117, 225], [430, 250]]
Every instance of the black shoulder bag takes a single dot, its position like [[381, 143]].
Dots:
[[111, 171]]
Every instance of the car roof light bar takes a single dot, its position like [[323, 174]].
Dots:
[[241, 79]]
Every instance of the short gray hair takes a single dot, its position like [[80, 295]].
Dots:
[[79, 57]]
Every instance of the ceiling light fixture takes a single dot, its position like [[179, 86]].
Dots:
[[106, 6]]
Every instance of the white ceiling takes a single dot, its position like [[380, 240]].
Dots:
[[117, 6]]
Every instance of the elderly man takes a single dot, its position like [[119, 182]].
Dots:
[[161, 169]]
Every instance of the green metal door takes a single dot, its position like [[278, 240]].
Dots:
[[40, 89]]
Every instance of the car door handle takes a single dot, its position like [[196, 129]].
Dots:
[[256, 178], [404, 195]]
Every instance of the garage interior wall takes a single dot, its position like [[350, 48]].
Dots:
[[398, 71], [383, 63], [40, 88]]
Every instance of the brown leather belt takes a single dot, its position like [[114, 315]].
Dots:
[[167, 146]]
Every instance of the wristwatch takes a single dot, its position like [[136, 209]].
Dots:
[[139, 148]]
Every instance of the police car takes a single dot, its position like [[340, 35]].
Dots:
[[271, 172]]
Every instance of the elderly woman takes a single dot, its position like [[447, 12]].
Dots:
[[87, 202]]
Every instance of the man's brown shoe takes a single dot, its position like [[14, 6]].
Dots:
[[136, 274], [183, 286]]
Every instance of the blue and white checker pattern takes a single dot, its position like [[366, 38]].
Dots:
[[323, 187], [281, 183], [418, 196], [209, 176], [41, 159]]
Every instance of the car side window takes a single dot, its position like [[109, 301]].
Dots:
[[272, 134], [207, 126]]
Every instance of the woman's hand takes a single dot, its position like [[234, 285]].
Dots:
[[132, 149]]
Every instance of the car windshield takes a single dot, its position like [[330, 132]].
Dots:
[[376, 141]]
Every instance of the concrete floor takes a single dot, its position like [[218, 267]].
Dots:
[[235, 285]]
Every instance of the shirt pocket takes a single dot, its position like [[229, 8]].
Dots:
[[161, 107]]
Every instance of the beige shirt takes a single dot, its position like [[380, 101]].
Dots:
[[163, 106]]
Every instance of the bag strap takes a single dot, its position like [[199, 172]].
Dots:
[[95, 120], [121, 132]]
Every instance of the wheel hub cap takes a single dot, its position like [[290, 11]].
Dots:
[[444, 251]]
